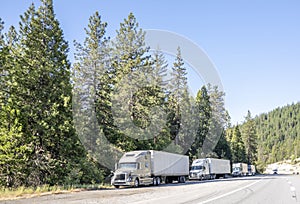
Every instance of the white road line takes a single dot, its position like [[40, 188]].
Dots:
[[229, 193]]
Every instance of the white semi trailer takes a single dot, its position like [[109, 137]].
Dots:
[[209, 168], [239, 169], [148, 167]]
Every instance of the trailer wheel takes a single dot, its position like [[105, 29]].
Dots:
[[157, 181], [167, 180], [136, 183]]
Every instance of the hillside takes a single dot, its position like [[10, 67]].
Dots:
[[284, 167], [278, 134]]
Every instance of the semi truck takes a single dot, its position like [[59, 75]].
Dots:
[[239, 169], [150, 167], [251, 170], [209, 168]]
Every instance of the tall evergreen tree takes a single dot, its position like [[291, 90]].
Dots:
[[237, 146], [250, 138], [203, 108], [41, 92], [160, 68], [2, 63], [92, 92], [13, 154], [178, 95], [217, 123], [159, 90], [132, 72], [89, 79]]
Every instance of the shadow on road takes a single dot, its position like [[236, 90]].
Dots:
[[196, 182]]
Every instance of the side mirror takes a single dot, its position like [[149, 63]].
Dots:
[[116, 166]]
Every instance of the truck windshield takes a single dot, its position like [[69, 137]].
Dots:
[[236, 169], [132, 165], [197, 168]]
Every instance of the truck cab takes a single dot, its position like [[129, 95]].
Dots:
[[236, 171], [133, 169], [199, 169], [239, 169]]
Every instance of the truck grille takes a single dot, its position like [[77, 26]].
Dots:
[[193, 175], [120, 177]]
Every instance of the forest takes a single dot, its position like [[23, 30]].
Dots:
[[278, 134], [64, 123]]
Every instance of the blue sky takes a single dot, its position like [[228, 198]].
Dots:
[[255, 45]]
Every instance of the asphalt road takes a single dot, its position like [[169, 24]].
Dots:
[[265, 189]]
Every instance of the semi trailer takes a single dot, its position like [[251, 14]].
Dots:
[[150, 167], [209, 168]]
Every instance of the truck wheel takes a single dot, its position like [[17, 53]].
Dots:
[[154, 181], [157, 181], [168, 180], [116, 186], [136, 183], [181, 179]]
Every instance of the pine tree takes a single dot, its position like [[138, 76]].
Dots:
[[3, 54], [12, 149], [250, 138], [177, 96], [159, 82], [134, 95], [237, 146], [41, 95], [92, 92], [160, 68], [203, 108], [218, 121]]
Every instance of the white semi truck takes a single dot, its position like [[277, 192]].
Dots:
[[239, 169], [209, 168], [251, 170], [149, 167]]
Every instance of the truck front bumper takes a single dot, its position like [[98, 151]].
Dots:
[[122, 183], [194, 176], [236, 174]]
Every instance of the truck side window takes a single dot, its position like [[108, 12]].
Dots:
[[146, 164]]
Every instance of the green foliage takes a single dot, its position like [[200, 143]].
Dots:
[[237, 146], [250, 138], [215, 141], [38, 141], [278, 134], [130, 66], [203, 108], [222, 148]]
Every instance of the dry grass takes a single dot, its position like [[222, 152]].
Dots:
[[27, 192]]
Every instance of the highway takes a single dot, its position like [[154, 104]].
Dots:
[[262, 189]]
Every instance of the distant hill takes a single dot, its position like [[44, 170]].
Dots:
[[284, 167], [278, 134]]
